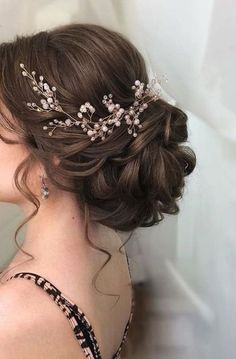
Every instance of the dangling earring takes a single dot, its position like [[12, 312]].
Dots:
[[44, 188]]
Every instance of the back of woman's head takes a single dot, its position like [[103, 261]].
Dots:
[[122, 182]]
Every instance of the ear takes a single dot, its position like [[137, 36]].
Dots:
[[40, 168]]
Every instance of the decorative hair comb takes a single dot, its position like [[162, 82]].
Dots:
[[104, 125]]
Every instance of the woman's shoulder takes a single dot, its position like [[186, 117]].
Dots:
[[30, 326], [20, 307]]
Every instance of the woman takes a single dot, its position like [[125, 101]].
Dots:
[[81, 171]]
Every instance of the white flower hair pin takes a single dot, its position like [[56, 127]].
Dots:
[[103, 126]]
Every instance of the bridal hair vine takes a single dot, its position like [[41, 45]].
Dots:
[[103, 126]]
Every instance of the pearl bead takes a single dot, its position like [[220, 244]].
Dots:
[[68, 122], [90, 132], [111, 108]]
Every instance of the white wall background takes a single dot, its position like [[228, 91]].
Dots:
[[194, 253]]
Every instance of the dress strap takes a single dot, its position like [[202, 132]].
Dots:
[[117, 354]]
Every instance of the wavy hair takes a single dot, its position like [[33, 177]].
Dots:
[[121, 182]]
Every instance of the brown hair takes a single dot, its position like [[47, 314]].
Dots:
[[122, 182]]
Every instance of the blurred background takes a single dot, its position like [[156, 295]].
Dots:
[[184, 268]]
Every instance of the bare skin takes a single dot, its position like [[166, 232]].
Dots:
[[56, 239]]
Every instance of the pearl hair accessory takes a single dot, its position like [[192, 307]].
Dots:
[[104, 126]]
